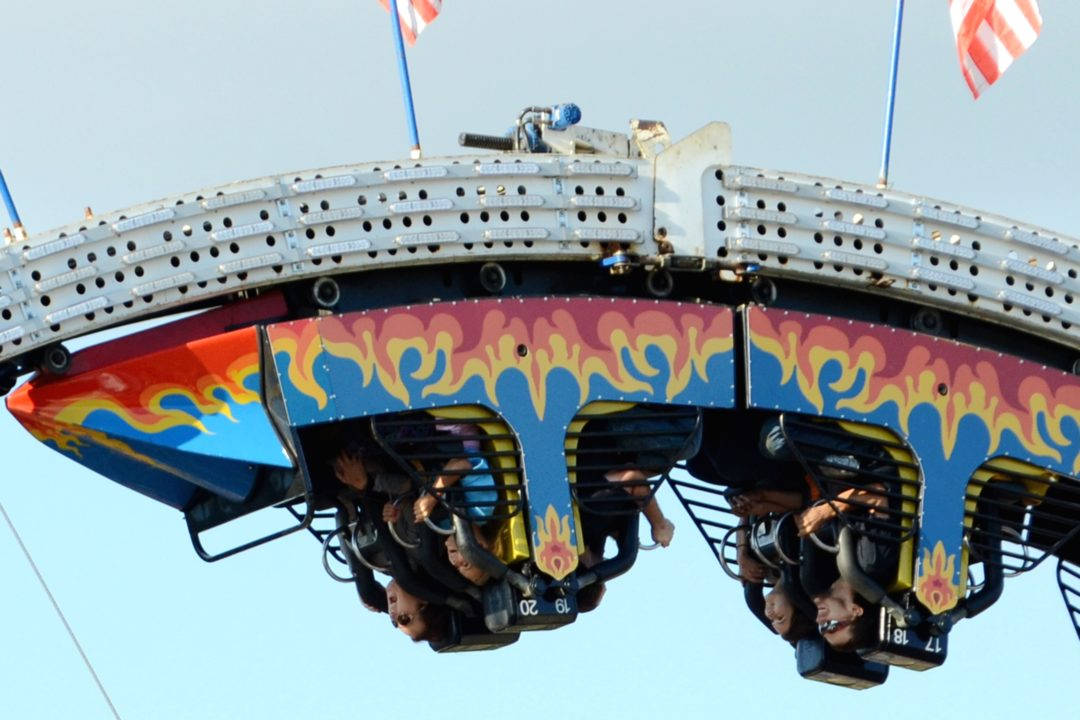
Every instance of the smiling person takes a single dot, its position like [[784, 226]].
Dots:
[[844, 618], [786, 620], [414, 617]]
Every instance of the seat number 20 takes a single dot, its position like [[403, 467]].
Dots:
[[528, 608]]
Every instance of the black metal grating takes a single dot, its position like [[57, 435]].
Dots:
[[1068, 577], [1031, 514], [420, 449], [838, 457], [708, 507], [645, 437]]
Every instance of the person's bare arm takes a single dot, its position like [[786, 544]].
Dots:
[[450, 476], [750, 569], [812, 519], [763, 502], [635, 482], [663, 530]]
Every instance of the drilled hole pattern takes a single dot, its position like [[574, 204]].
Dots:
[[894, 243], [122, 266]]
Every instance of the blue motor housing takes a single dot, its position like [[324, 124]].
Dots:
[[564, 115]]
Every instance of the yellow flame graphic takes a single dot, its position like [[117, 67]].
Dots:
[[72, 439], [803, 346], [934, 586], [535, 346], [302, 369], [553, 553], [152, 417]]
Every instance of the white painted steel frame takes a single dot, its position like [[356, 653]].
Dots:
[[174, 252]]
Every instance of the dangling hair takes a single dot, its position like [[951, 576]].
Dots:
[[437, 619], [801, 625]]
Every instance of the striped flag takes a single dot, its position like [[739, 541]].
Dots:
[[415, 16], [990, 34]]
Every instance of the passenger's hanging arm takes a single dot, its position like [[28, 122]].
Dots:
[[635, 483], [871, 498], [451, 475]]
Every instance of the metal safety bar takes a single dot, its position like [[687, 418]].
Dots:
[[651, 438], [837, 460], [421, 450], [274, 488]]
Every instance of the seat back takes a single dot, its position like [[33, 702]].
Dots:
[[815, 660]]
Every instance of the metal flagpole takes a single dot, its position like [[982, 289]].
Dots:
[[12, 212], [886, 146], [406, 87]]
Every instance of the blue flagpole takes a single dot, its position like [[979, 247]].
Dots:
[[406, 87], [12, 212], [886, 146]]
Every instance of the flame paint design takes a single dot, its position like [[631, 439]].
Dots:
[[458, 343], [70, 440], [957, 406], [300, 342], [199, 397], [879, 366], [155, 393], [552, 549], [934, 585], [535, 361], [63, 439], [148, 412]]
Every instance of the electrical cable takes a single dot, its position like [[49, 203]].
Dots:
[[59, 612]]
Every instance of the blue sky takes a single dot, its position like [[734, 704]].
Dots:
[[118, 102]]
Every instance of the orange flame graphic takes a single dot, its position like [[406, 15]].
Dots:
[[137, 391], [977, 383], [300, 341], [71, 439], [486, 338], [934, 586], [554, 554], [64, 440]]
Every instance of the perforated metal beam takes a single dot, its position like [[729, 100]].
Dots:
[[178, 251], [921, 250]]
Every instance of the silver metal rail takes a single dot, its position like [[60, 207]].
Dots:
[[685, 202]]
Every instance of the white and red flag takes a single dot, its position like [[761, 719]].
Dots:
[[415, 16], [990, 34]]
